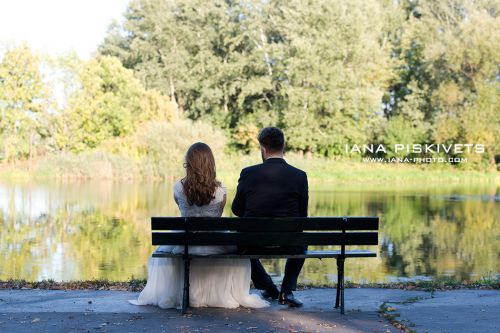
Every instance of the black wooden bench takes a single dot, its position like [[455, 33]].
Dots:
[[340, 231]]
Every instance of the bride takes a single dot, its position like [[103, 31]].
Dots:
[[213, 282]]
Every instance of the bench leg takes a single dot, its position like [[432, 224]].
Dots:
[[185, 292], [340, 285], [342, 298]]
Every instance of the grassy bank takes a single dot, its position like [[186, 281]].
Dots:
[[321, 171], [138, 284]]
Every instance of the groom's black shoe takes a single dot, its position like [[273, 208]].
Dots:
[[290, 300], [270, 294]]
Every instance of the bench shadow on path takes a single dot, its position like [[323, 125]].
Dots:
[[109, 311], [281, 319]]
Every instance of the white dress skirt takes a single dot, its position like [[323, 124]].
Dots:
[[221, 283]]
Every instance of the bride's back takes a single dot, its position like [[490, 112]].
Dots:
[[199, 193], [213, 209]]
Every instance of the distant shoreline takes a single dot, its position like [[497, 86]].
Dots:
[[321, 171]]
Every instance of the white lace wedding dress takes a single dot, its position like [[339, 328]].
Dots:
[[213, 282]]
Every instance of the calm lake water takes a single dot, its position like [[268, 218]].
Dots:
[[90, 230]]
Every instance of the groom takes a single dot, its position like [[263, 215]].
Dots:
[[273, 189]]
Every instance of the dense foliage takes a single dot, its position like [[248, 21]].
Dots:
[[329, 73]]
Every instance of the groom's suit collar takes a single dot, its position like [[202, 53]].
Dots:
[[275, 160]]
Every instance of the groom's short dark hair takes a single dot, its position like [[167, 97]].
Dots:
[[272, 138]]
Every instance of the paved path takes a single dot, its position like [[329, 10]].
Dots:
[[471, 311], [108, 311]]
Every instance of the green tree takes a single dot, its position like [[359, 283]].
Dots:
[[336, 68], [449, 75], [23, 100], [318, 69], [204, 55], [106, 104]]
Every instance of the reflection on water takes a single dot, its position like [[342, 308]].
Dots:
[[79, 231]]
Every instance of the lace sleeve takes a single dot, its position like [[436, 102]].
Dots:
[[178, 194], [221, 198]]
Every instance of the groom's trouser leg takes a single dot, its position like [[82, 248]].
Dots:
[[261, 280], [292, 271]]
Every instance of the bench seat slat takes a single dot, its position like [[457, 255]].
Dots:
[[308, 254], [262, 224], [265, 238]]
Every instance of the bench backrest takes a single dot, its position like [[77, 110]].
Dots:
[[264, 231]]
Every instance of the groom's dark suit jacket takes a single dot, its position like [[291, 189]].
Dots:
[[271, 189]]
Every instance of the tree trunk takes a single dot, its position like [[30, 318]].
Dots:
[[226, 99], [226, 109], [5, 151], [173, 98], [30, 158], [263, 40]]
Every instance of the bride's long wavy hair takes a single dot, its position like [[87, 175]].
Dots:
[[200, 181]]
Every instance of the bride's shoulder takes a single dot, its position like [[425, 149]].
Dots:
[[222, 188], [178, 188], [220, 191]]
